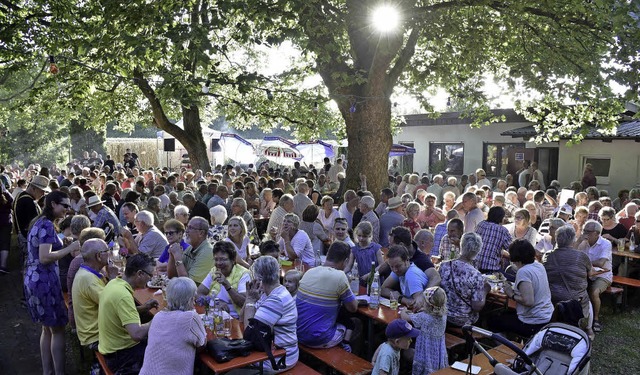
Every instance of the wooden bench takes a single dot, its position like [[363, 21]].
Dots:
[[103, 363], [340, 360], [300, 369], [625, 282]]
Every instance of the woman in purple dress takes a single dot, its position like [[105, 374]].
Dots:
[[42, 289]]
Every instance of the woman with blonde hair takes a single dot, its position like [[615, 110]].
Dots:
[[237, 235], [521, 227]]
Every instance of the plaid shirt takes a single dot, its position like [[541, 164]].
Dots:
[[495, 238], [105, 215], [445, 249]]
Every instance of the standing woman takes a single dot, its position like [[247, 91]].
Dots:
[[6, 223], [42, 289]]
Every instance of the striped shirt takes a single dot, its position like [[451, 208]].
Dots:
[[278, 310], [322, 290]]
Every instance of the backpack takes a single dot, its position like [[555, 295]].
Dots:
[[261, 336]]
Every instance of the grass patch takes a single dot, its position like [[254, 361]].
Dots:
[[615, 349]]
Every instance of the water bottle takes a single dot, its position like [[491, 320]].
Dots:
[[632, 242], [355, 279], [370, 278], [318, 260], [374, 298], [218, 321]]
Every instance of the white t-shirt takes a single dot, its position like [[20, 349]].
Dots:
[[302, 246], [224, 296]]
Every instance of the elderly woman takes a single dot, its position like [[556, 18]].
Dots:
[[294, 242], [174, 231], [237, 235], [568, 271], [530, 291], [313, 227], [328, 214], [465, 286], [227, 279], [271, 303], [42, 289], [217, 230], [611, 229], [175, 332], [521, 228], [181, 213]]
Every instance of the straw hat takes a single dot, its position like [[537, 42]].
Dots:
[[94, 200], [41, 182], [394, 202]]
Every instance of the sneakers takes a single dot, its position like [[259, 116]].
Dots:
[[345, 346], [597, 326]]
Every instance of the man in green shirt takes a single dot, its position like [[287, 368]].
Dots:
[[197, 260]]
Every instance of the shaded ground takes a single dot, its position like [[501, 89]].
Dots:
[[614, 349]]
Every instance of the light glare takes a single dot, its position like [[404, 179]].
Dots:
[[386, 18]]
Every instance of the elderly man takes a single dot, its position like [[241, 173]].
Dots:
[[405, 277], [366, 207], [481, 177], [104, 215], [348, 207], [239, 208], [197, 260], [87, 287], [469, 212], [436, 188], [285, 206], [452, 186], [391, 219], [322, 292], [222, 194], [196, 207], [120, 334], [295, 243], [301, 200], [424, 240], [149, 240], [599, 251], [402, 236], [159, 191]]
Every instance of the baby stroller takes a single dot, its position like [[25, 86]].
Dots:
[[558, 349]]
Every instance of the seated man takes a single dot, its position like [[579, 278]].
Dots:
[[599, 251], [321, 292], [402, 236], [87, 286], [196, 260], [405, 277], [120, 334], [149, 240]]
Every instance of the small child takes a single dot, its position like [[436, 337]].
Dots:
[[430, 354], [386, 360], [292, 281], [364, 252]]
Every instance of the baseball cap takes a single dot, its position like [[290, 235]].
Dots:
[[566, 209], [400, 328]]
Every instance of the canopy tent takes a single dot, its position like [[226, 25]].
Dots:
[[315, 152], [237, 148], [401, 150], [279, 150]]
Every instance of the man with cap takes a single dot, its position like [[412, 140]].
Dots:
[[103, 214], [565, 212], [25, 209], [387, 358], [391, 219], [366, 206]]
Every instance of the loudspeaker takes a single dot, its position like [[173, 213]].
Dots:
[[215, 145], [170, 144]]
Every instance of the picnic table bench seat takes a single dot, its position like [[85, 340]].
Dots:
[[340, 360], [300, 369]]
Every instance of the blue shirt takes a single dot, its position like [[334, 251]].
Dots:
[[414, 281], [164, 258], [388, 221]]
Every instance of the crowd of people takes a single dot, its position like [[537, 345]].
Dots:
[[443, 236]]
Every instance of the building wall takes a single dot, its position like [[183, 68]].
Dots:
[[473, 139], [625, 163]]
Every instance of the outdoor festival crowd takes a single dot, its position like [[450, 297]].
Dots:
[[436, 243]]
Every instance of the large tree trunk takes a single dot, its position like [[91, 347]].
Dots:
[[192, 139], [369, 136]]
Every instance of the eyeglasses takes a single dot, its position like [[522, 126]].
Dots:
[[148, 274], [519, 217], [171, 232], [66, 206], [189, 227]]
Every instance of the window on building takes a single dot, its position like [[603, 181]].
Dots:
[[497, 156], [601, 167], [448, 157]]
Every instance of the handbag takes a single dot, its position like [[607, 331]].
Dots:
[[224, 349], [261, 337]]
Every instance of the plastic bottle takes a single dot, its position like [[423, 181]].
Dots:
[[355, 279], [370, 278], [374, 298], [218, 321], [632, 242], [318, 260]]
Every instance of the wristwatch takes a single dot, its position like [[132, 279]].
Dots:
[[179, 262]]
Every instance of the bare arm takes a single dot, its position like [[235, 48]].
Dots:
[[433, 276], [351, 306], [48, 256], [389, 285], [138, 332]]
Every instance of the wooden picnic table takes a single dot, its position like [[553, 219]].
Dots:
[[237, 329], [501, 353], [626, 255]]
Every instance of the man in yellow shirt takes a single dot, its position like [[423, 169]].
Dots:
[[87, 286], [120, 333]]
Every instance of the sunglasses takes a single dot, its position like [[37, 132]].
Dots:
[[66, 206], [148, 274], [171, 232]]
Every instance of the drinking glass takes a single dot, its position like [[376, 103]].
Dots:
[[393, 301], [621, 244], [298, 265]]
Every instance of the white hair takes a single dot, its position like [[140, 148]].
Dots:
[[146, 217], [218, 214], [180, 294], [181, 210]]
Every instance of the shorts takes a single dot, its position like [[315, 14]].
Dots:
[[337, 337], [598, 285]]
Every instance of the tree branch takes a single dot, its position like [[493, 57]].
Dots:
[[159, 117], [27, 88], [405, 55]]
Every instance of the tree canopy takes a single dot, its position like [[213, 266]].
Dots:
[[148, 61]]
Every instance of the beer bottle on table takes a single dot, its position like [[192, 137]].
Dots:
[[370, 278]]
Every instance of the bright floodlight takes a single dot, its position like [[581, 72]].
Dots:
[[386, 18]]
